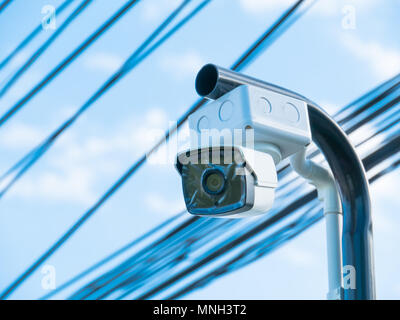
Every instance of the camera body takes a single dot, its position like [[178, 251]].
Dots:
[[236, 143], [228, 181]]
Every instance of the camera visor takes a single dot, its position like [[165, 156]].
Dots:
[[215, 182]]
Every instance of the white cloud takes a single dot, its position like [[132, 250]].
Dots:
[[22, 85], [73, 170], [150, 130], [298, 255], [19, 135], [182, 65], [103, 61], [384, 61], [18, 60], [71, 184]]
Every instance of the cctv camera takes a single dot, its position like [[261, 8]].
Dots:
[[236, 142], [227, 181]]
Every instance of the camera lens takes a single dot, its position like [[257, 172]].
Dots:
[[213, 181]]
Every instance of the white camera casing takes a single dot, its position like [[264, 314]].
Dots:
[[277, 120]]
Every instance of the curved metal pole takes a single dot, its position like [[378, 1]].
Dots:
[[213, 81], [353, 187]]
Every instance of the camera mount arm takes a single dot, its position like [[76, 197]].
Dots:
[[323, 180]]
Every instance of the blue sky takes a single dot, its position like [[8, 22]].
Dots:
[[316, 57]]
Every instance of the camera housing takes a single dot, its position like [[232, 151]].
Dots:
[[228, 181], [276, 120], [254, 123]]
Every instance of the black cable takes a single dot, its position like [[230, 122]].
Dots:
[[390, 147], [4, 5], [83, 5], [135, 263], [137, 57], [250, 53], [361, 107], [113, 255], [252, 50], [70, 58], [178, 245], [227, 247], [383, 153], [31, 36], [263, 247], [141, 297], [391, 82], [390, 125], [372, 102], [94, 208], [384, 172], [242, 61], [33, 155], [266, 245]]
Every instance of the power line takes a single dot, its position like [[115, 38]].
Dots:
[[4, 4], [113, 255], [29, 159], [31, 36], [228, 246], [65, 237], [256, 251], [367, 161], [268, 244], [155, 248], [121, 181], [260, 44], [137, 57], [71, 57], [83, 5], [93, 209]]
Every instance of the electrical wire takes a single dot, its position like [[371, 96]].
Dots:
[[94, 208], [28, 160], [362, 106], [70, 58], [83, 5], [267, 244], [366, 163], [4, 5], [31, 36], [135, 59], [113, 255], [229, 246]]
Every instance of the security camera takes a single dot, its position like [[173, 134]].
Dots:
[[236, 142], [227, 181]]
